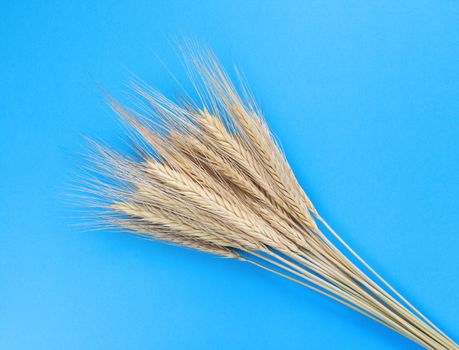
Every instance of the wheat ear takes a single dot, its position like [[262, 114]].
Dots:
[[211, 176]]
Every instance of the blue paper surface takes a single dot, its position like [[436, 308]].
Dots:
[[363, 95]]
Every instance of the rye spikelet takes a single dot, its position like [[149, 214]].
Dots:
[[210, 176]]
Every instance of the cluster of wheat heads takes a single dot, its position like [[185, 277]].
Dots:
[[209, 175]]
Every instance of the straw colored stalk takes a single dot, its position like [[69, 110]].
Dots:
[[211, 176]]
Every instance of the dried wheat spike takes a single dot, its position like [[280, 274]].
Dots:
[[210, 176]]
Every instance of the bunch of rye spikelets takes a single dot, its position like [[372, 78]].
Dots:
[[212, 177]]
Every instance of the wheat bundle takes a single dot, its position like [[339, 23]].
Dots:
[[210, 175]]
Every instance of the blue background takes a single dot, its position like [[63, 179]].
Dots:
[[365, 98]]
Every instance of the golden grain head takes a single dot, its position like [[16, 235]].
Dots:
[[211, 176]]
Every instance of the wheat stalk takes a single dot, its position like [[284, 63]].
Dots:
[[210, 176]]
